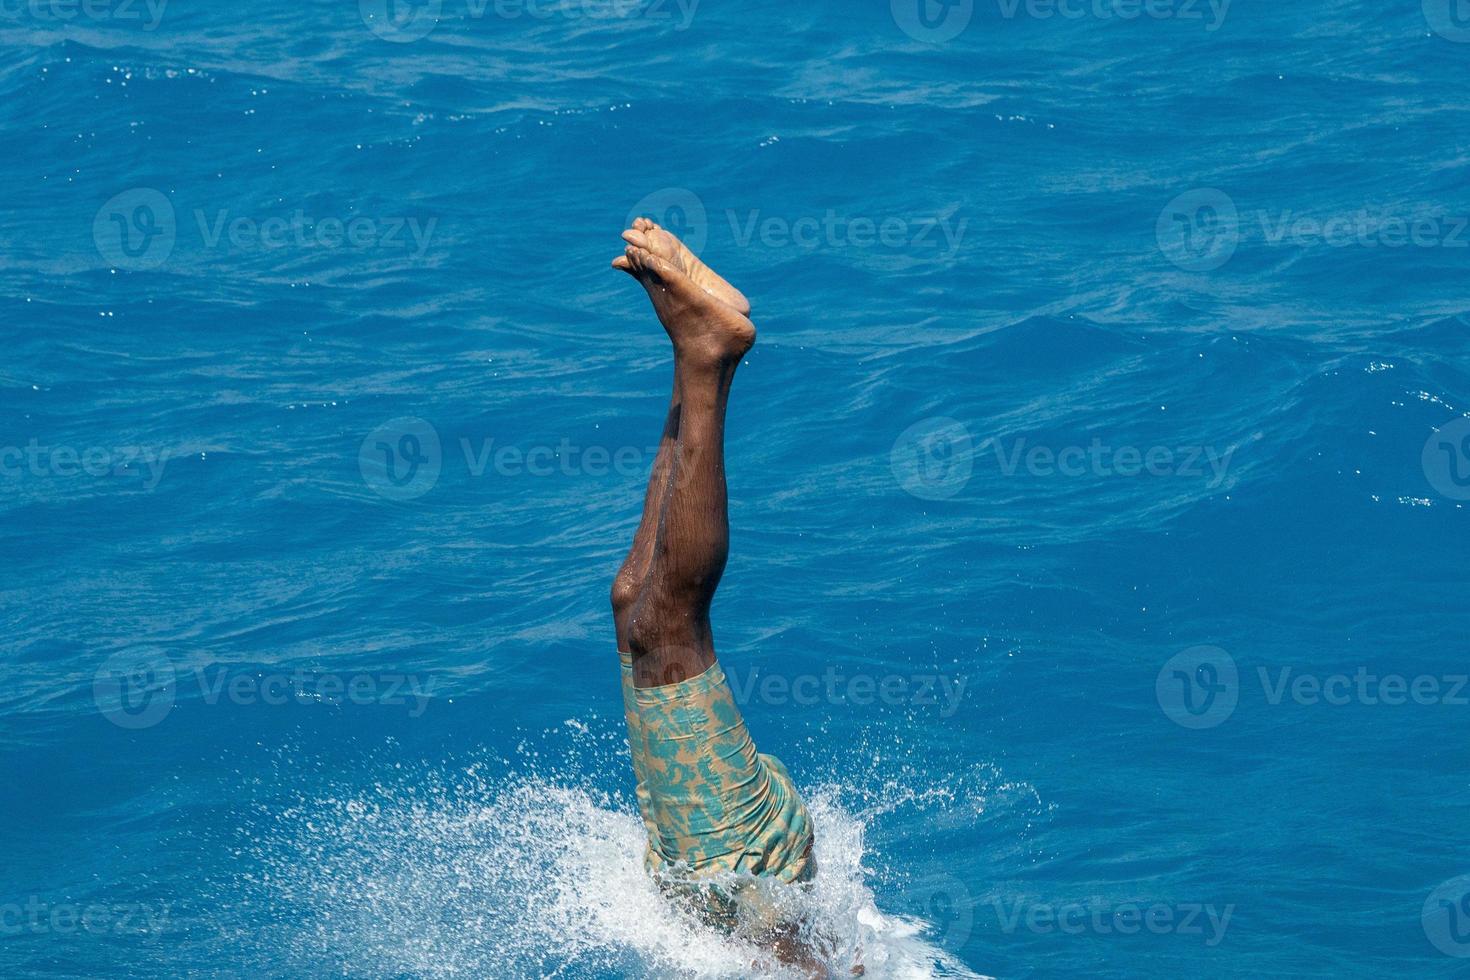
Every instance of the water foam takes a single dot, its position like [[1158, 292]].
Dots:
[[518, 869]]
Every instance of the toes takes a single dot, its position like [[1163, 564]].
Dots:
[[645, 264], [662, 244], [650, 264], [646, 234]]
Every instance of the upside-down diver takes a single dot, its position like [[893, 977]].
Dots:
[[715, 809]]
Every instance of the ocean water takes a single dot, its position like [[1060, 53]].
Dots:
[[1098, 483]]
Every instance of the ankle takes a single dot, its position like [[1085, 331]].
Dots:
[[710, 355]]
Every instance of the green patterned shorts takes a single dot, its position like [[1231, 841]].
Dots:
[[713, 806]]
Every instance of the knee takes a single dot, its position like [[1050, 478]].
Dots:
[[624, 595]]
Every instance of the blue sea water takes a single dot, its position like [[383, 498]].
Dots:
[[1098, 483]]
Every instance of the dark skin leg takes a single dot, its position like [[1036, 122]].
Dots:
[[662, 595], [648, 236], [630, 578]]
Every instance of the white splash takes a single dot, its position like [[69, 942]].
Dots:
[[518, 875]]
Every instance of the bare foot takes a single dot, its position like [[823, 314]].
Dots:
[[664, 244], [705, 330]]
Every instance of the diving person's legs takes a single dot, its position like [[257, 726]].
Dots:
[[629, 581], [647, 235], [685, 536]]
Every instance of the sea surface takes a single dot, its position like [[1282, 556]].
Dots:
[[1099, 481]]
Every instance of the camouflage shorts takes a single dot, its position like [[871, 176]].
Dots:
[[714, 808]]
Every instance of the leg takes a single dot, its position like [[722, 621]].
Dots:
[[665, 622], [645, 234], [630, 578], [629, 583]]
